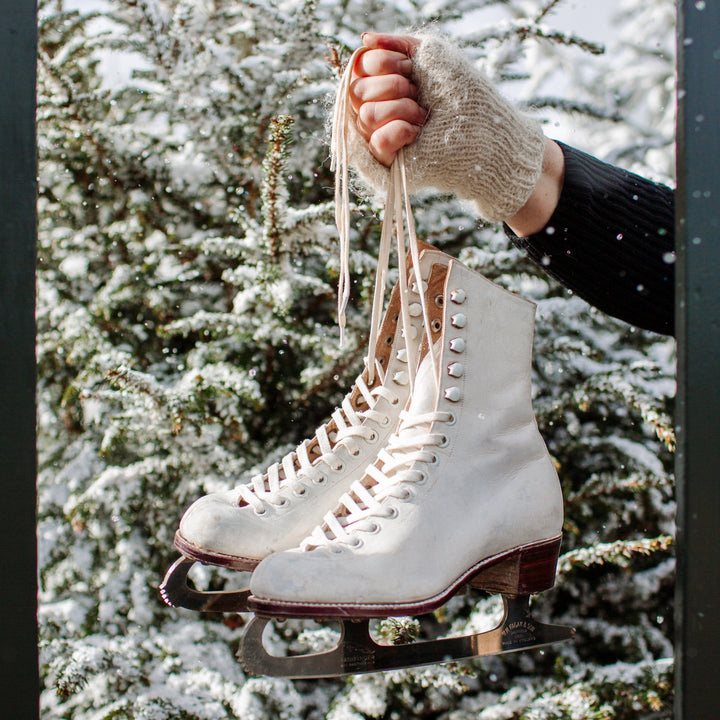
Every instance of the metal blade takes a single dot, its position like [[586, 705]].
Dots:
[[176, 592], [358, 653]]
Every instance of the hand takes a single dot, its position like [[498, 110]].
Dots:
[[383, 96], [474, 143]]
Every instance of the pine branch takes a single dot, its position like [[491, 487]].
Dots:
[[524, 29], [273, 186], [604, 484], [619, 553], [573, 106], [545, 11]]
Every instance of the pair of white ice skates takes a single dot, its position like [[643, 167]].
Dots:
[[403, 497], [432, 475]]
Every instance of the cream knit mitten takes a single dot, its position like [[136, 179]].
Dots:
[[474, 143]]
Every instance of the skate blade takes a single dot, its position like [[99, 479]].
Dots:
[[176, 592], [358, 653]]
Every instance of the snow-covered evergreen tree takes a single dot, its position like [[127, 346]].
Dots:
[[187, 337]]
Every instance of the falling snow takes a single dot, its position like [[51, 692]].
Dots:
[[187, 337]]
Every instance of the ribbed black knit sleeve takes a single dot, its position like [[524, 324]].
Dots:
[[611, 241]]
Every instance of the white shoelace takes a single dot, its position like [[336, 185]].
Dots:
[[296, 469], [397, 469], [397, 206]]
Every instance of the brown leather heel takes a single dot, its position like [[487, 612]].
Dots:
[[526, 570]]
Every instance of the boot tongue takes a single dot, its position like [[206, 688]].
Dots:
[[424, 397]]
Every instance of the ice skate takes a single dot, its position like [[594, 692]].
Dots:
[[276, 510], [464, 493]]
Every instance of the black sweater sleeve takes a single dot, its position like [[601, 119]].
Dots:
[[611, 241]]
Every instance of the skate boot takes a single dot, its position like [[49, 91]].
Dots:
[[276, 510], [464, 492]]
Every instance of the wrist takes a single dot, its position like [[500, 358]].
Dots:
[[535, 214]]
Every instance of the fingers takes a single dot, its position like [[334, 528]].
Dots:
[[385, 142], [383, 96], [398, 43], [382, 62], [377, 88], [373, 115]]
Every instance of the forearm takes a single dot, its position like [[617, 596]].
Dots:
[[611, 241], [537, 211]]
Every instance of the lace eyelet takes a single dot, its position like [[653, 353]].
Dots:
[[335, 549], [373, 437], [339, 467], [389, 340], [452, 419], [434, 460], [444, 441], [439, 300], [373, 529], [260, 512], [299, 492], [321, 480], [355, 542], [436, 325], [405, 495], [391, 513], [385, 421]]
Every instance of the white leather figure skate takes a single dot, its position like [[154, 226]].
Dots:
[[465, 492]]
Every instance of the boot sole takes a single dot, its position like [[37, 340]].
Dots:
[[206, 557], [524, 570]]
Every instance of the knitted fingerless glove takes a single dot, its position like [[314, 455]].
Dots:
[[474, 143]]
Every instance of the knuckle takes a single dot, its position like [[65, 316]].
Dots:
[[367, 115], [400, 86], [357, 90], [384, 141]]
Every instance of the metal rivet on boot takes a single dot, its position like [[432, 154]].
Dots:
[[457, 345], [459, 320], [453, 394], [412, 332], [401, 378], [458, 296], [402, 355], [415, 310], [456, 369]]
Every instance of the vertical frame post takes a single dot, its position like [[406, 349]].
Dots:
[[697, 610], [18, 191]]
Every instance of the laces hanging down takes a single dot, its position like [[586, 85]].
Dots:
[[397, 214], [362, 502]]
